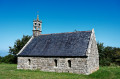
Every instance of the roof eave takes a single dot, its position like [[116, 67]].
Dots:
[[54, 56]]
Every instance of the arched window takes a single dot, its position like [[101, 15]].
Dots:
[[69, 63], [29, 61], [55, 62], [35, 23]]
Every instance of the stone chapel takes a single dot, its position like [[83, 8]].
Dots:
[[72, 52]]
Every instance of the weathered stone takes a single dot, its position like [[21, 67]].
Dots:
[[48, 64]]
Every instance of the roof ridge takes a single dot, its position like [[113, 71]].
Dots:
[[65, 32]]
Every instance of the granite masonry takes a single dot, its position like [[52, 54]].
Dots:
[[72, 52]]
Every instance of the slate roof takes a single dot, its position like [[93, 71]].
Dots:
[[58, 44]]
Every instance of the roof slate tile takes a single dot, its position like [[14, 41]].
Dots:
[[61, 44]]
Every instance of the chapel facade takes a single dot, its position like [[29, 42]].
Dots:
[[72, 52]]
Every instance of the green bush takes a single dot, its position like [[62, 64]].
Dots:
[[9, 59]]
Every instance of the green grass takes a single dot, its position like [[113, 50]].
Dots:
[[9, 71]]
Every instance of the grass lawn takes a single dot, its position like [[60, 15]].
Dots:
[[9, 71]]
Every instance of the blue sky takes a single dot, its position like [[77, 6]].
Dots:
[[16, 19]]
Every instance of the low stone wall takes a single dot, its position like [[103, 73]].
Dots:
[[78, 65]]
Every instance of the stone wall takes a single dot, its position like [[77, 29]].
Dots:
[[78, 65], [93, 55]]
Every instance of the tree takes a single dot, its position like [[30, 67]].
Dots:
[[116, 56], [19, 45], [108, 55], [100, 50], [0, 59]]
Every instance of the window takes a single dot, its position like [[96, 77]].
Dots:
[[55, 62], [29, 61], [69, 63], [35, 28]]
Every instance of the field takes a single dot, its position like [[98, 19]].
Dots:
[[9, 71]]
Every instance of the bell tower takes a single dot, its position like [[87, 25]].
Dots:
[[37, 25]]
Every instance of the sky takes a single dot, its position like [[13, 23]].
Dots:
[[16, 19]]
